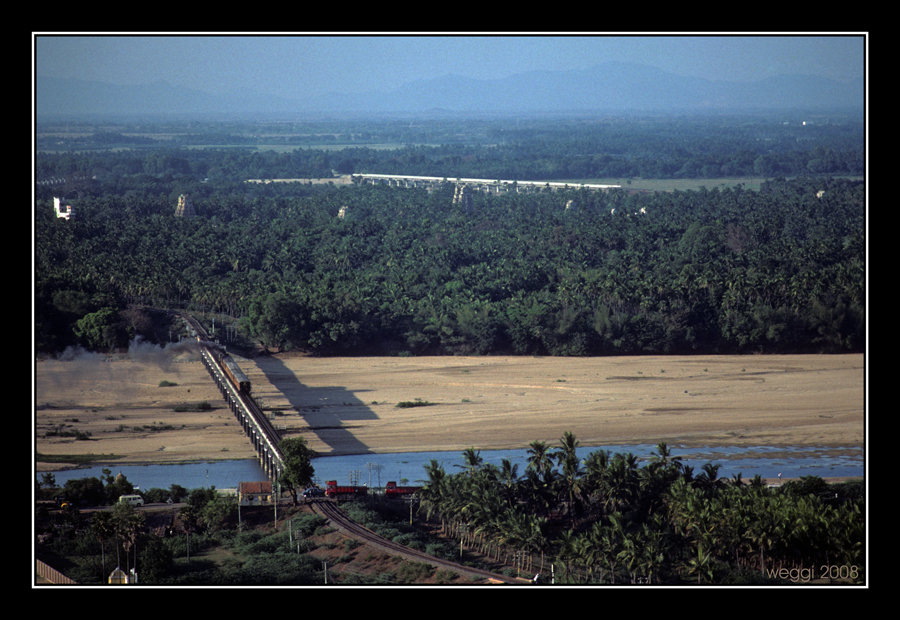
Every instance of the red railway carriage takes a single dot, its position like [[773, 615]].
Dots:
[[333, 489], [392, 490]]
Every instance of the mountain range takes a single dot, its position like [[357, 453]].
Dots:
[[610, 87]]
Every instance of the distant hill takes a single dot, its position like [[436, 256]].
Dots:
[[611, 87]]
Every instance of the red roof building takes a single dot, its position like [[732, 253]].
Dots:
[[255, 493]]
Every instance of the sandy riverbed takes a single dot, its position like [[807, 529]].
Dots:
[[349, 405]]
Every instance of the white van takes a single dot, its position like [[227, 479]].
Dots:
[[134, 500]]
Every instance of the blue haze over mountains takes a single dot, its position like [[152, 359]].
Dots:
[[609, 87]]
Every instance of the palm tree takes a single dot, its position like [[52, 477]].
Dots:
[[521, 531], [610, 538], [589, 555], [190, 521], [472, 459], [622, 483], [592, 482], [539, 459], [701, 564], [540, 476], [128, 524], [433, 494], [568, 548], [663, 459], [595, 467], [653, 548], [538, 492], [708, 479], [657, 477], [763, 526], [571, 470], [509, 478]]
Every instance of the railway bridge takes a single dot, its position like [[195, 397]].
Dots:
[[256, 425]]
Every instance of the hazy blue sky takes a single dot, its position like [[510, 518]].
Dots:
[[296, 65]]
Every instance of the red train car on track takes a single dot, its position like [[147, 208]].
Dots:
[[333, 489], [392, 490]]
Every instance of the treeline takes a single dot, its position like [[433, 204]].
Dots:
[[607, 519], [526, 160], [573, 148], [649, 150], [407, 270]]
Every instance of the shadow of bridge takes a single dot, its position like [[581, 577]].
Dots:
[[328, 412]]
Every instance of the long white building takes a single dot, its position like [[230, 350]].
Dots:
[[407, 180]]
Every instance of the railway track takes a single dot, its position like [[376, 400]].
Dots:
[[330, 511]]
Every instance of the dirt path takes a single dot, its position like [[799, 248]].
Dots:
[[349, 405]]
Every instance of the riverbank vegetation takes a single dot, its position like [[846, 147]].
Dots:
[[605, 520], [610, 520], [204, 539]]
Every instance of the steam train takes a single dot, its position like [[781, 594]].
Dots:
[[235, 374]]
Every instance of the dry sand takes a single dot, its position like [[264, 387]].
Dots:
[[129, 415], [349, 405]]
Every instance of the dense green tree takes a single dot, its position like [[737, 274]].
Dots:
[[85, 491], [101, 330], [155, 561], [298, 469]]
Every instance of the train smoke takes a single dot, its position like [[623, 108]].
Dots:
[[162, 356], [86, 366]]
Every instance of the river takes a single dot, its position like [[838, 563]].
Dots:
[[409, 468]]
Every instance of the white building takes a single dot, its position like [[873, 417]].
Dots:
[[65, 213]]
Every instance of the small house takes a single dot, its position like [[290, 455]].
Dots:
[[255, 494]]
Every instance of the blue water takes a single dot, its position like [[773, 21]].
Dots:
[[377, 469], [219, 474]]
